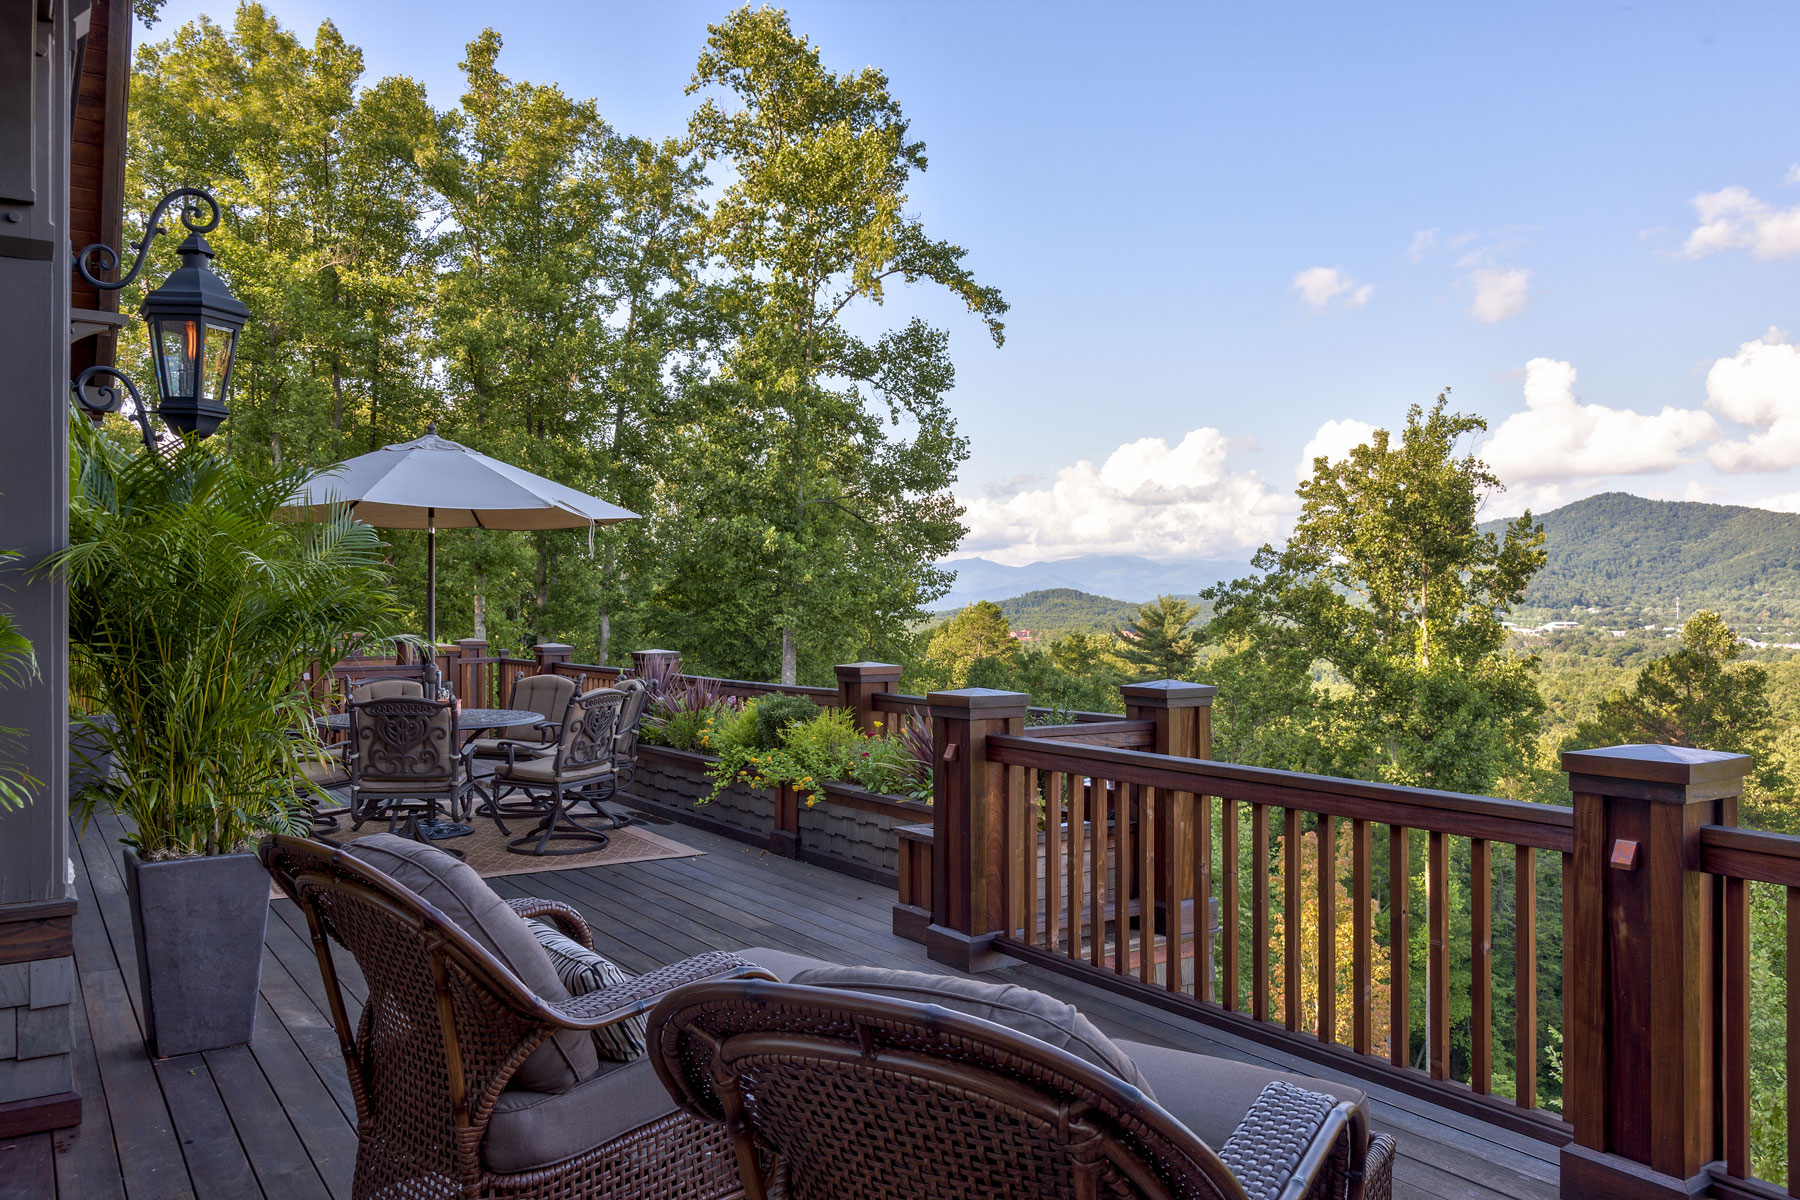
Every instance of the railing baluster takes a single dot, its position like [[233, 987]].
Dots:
[[1327, 834], [1053, 868], [1259, 911], [1098, 880], [1793, 1045], [1399, 949], [1290, 919], [1437, 971], [1736, 1018], [1362, 953], [1078, 840], [1228, 905], [1481, 968], [1201, 825], [1148, 892], [1525, 976], [1122, 845], [1027, 858]]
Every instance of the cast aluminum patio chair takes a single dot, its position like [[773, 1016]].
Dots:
[[600, 795], [405, 761], [585, 744], [445, 1037], [832, 1094], [546, 695]]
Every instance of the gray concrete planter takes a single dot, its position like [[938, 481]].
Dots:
[[198, 924]]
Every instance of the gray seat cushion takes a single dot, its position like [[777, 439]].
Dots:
[[1211, 1095], [1020, 1009], [534, 1129], [542, 770], [455, 890]]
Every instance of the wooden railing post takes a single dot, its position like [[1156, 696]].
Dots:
[[1183, 715], [1182, 712], [548, 654], [970, 803], [655, 664], [858, 682], [1641, 969], [470, 675]]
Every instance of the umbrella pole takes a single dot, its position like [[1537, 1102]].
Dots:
[[431, 670]]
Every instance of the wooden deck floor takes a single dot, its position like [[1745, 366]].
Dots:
[[274, 1119]]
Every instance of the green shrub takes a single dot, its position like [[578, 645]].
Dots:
[[736, 732], [776, 712]]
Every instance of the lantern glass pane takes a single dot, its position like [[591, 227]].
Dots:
[[180, 349], [218, 358]]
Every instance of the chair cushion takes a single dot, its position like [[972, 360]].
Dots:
[[496, 747], [388, 689], [543, 770], [1211, 1095], [535, 1129], [455, 890], [1018, 1008], [330, 773], [583, 971]]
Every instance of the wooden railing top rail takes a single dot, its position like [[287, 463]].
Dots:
[[1126, 735], [1541, 826], [896, 702], [1759, 855], [1075, 716]]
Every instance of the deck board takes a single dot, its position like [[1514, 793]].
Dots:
[[276, 1119]]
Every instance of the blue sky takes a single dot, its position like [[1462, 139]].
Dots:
[[1229, 233]]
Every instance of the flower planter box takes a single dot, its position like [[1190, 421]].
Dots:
[[849, 830]]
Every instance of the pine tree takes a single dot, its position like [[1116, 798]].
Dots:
[[1161, 643]]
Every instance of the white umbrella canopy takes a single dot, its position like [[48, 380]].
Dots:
[[432, 483]]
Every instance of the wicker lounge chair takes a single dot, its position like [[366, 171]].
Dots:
[[834, 1094], [435, 1058]]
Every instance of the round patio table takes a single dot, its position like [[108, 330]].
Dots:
[[468, 720]]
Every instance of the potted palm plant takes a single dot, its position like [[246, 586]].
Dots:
[[195, 608]]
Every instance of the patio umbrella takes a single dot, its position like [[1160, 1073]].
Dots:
[[431, 483]]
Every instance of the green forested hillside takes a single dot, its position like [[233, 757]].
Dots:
[[1625, 554], [1052, 612]]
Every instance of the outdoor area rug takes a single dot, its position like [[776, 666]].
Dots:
[[486, 851]]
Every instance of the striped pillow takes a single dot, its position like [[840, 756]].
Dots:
[[581, 971]]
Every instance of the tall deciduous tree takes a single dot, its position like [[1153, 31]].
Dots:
[[1161, 643], [1388, 582], [977, 633], [854, 448], [321, 178]]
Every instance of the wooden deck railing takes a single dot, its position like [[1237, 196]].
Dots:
[[1105, 861]]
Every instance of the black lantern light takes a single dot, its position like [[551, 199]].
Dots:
[[194, 322]]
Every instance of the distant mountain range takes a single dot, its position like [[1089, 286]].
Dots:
[[1125, 577], [1621, 554]]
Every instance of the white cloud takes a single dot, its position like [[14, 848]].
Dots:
[[1732, 219], [1759, 386], [1319, 285], [1334, 440], [1558, 439], [1499, 293], [1423, 243], [1147, 498], [1793, 175], [1786, 502]]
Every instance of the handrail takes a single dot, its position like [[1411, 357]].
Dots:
[[1539, 826], [1757, 855], [1125, 735], [896, 702]]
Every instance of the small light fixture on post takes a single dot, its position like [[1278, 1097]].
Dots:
[[194, 323]]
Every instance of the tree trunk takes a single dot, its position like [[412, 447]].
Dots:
[[480, 607], [790, 666]]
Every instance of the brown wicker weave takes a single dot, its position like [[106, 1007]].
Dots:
[[443, 1030], [840, 1095]]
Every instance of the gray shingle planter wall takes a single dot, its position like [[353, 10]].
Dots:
[[670, 783]]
